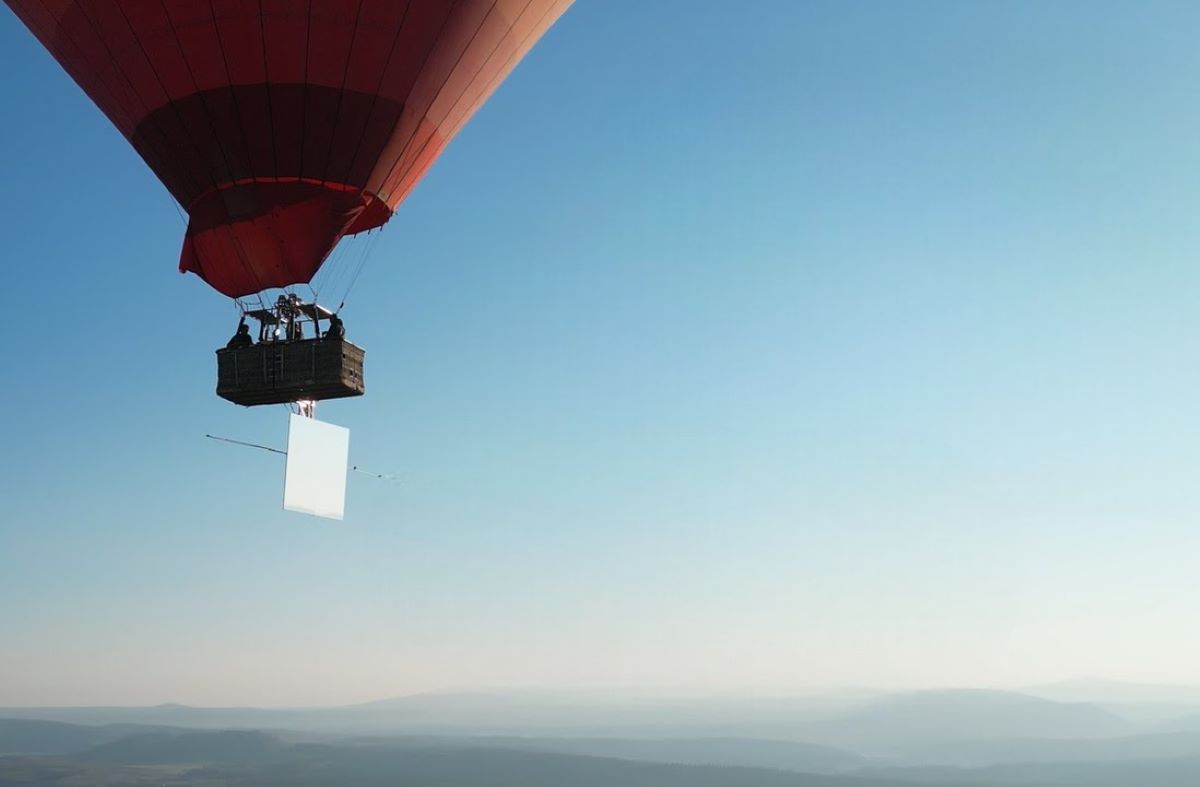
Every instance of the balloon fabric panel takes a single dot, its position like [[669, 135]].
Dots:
[[283, 125]]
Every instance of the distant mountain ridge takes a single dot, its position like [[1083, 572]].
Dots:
[[31, 736], [1103, 691], [165, 747], [925, 754], [991, 752], [896, 726], [865, 727], [744, 752], [347, 765]]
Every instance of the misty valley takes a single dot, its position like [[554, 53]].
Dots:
[[1076, 734]]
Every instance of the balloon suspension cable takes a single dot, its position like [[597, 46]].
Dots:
[[345, 267], [178, 209], [368, 247], [327, 273]]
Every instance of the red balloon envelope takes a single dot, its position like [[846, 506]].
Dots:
[[282, 125]]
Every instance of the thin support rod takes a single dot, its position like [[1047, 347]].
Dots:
[[248, 445]]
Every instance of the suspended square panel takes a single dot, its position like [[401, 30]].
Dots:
[[317, 456]]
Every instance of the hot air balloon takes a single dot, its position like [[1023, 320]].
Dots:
[[282, 126]]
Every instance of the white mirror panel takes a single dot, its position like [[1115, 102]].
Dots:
[[315, 479]]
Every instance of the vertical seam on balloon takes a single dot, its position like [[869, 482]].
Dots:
[[378, 87], [500, 74], [424, 62], [133, 90], [438, 92], [337, 113], [304, 92], [237, 108], [157, 78], [518, 53], [130, 112], [450, 112], [241, 253], [198, 92], [208, 115], [162, 86], [55, 26], [262, 26], [508, 65]]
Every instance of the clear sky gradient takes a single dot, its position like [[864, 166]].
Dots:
[[768, 345]]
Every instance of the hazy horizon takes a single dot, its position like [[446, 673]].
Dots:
[[663, 692], [819, 344]]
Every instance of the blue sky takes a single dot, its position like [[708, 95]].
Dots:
[[819, 344]]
